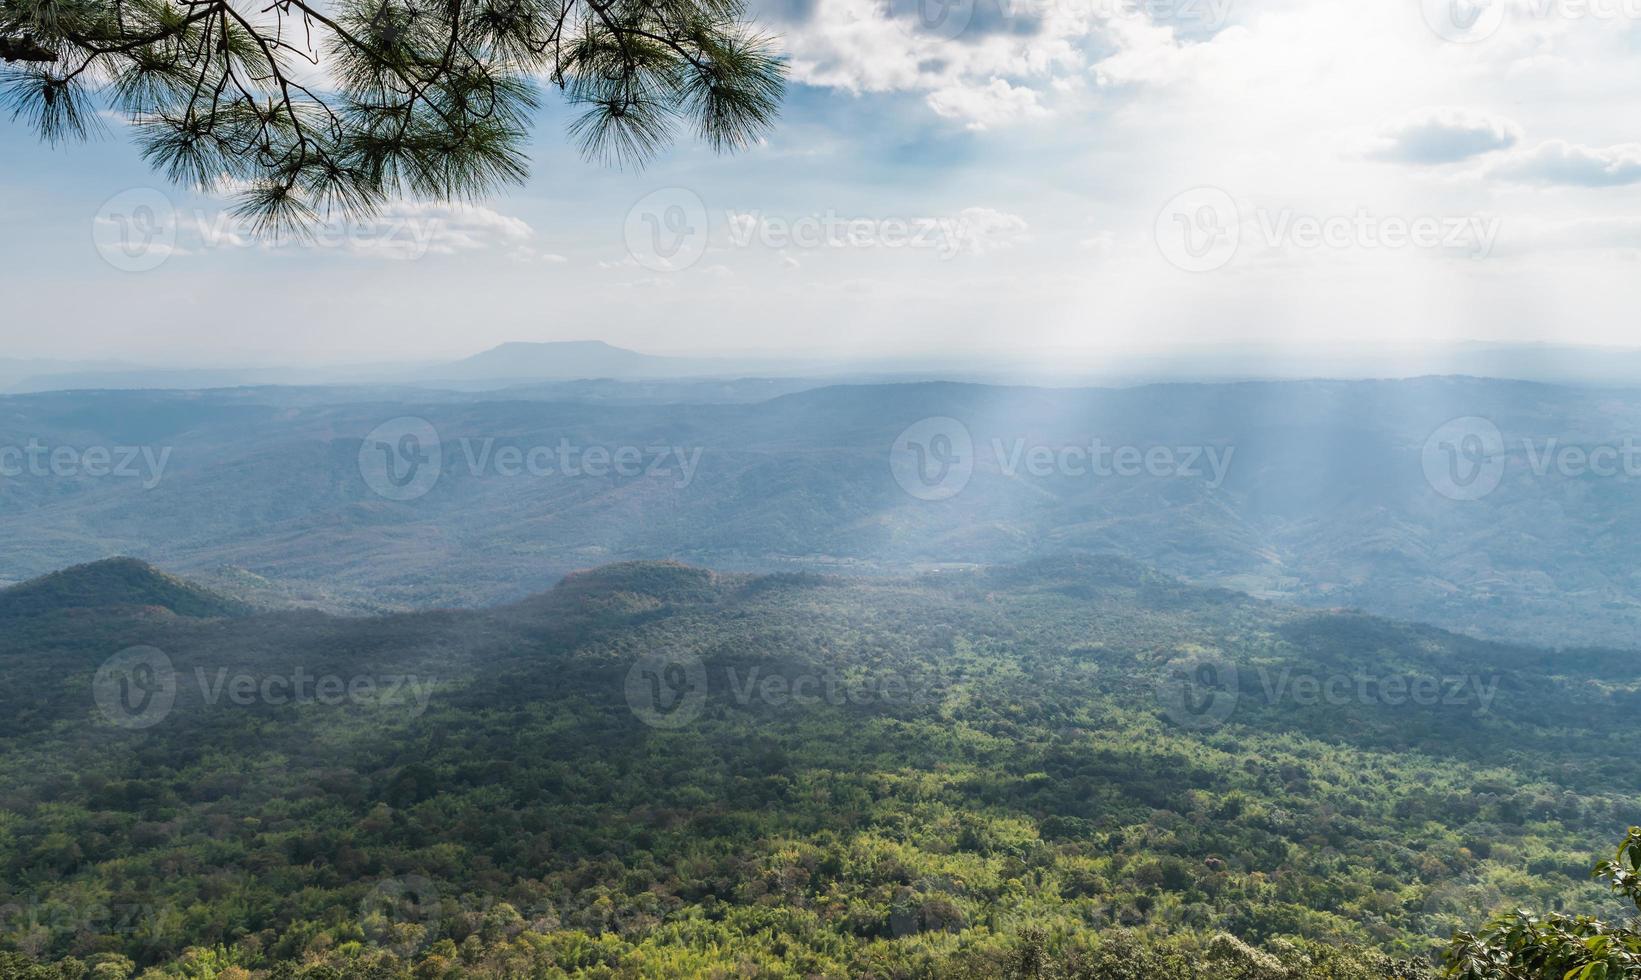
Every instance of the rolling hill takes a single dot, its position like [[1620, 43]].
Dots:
[[1325, 494], [114, 583], [654, 769]]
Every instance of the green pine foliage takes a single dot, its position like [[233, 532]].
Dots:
[[305, 109]]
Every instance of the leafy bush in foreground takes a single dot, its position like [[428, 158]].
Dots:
[[1523, 946]]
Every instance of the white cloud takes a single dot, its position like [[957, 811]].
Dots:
[[980, 107], [1142, 109], [1101, 243], [405, 230], [1561, 162], [982, 230], [1616, 234], [454, 228], [874, 46], [1443, 135]]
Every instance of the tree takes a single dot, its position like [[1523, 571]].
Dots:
[[1523, 946], [303, 108]]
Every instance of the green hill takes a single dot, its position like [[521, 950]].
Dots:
[[1324, 498], [654, 770], [114, 583]]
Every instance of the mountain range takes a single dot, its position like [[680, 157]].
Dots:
[[1326, 494], [531, 362]]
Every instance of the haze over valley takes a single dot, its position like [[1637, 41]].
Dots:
[[1317, 492], [847, 490]]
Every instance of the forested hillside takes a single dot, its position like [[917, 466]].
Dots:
[[1073, 767], [1317, 493]]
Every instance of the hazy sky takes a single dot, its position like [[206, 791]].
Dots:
[[1052, 173]]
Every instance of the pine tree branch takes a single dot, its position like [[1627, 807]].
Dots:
[[25, 49]]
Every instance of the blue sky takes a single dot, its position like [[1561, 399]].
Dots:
[[1027, 175]]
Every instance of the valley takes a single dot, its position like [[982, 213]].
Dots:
[[1314, 493], [654, 769]]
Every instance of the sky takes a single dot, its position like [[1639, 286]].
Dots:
[[992, 176]]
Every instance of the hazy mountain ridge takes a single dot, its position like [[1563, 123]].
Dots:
[[115, 583], [534, 362], [1324, 498]]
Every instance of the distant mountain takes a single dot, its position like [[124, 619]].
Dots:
[[1319, 493], [553, 363], [508, 364], [114, 583], [140, 378], [15, 372], [566, 360]]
